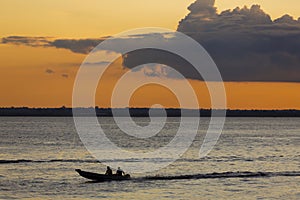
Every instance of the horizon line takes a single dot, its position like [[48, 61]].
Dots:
[[168, 108]]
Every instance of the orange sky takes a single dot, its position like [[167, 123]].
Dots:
[[94, 18], [24, 81]]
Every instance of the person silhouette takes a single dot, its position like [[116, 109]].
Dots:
[[120, 172], [108, 171]]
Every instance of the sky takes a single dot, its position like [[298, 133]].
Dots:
[[43, 44]]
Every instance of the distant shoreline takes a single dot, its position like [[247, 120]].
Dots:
[[138, 112]]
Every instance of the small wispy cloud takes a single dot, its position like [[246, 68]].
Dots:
[[65, 75], [83, 46], [27, 41], [49, 71]]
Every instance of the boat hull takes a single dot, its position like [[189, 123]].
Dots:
[[102, 177]]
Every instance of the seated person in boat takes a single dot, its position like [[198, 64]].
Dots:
[[108, 171], [120, 172]]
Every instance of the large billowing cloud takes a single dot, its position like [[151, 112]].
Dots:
[[245, 43]]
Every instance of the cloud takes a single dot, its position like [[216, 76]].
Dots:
[[101, 63], [49, 71], [286, 19], [141, 57], [245, 43], [65, 75], [28, 41], [83, 46]]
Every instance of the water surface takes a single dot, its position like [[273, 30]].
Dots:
[[38, 157]]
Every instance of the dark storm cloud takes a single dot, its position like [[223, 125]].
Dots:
[[245, 43], [140, 57]]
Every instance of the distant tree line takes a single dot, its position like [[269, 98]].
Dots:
[[140, 112]]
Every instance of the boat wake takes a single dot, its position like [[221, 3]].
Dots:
[[238, 174]]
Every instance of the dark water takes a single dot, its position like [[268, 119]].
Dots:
[[255, 158]]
